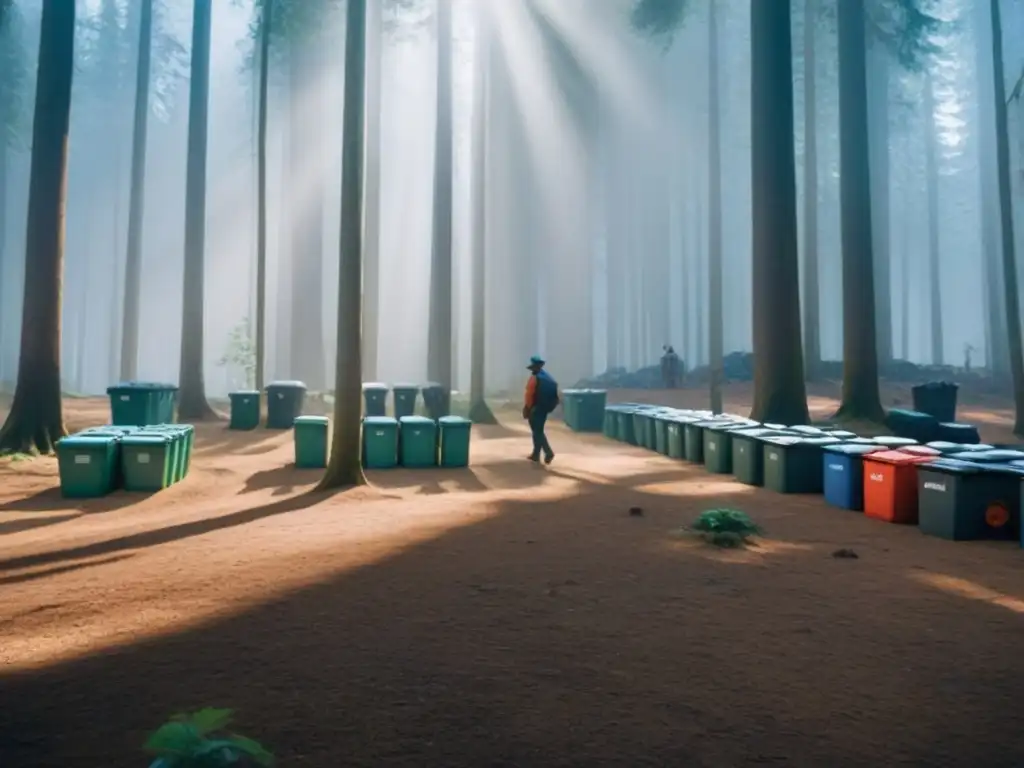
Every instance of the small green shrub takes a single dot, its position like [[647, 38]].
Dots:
[[200, 740], [727, 528]]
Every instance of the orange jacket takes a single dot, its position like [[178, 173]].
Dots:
[[530, 399]]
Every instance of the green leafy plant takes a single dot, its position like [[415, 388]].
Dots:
[[200, 740], [728, 528], [240, 353]]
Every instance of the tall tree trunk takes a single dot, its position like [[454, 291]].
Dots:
[[439, 341], [1012, 299], [861, 398], [307, 218], [878, 139], [932, 176], [261, 194], [701, 279], [371, 225], [779, 389], [344, 467], [3, 220], [905, 281], [811, 291], [137, 198], [479, 412], [36, 421], [192, 393], [997, 344], [715, 321]]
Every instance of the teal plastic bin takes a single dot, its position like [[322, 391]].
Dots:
[[88, 465], [571, 407], [404, 397], [437, 400], [141, 403], [182, 437], [245, 409], [284, 402], [380, 442], [375, 399], [148, 461], [454, 434], [311, 442], [625, 426], [417, 442], [590, 410]]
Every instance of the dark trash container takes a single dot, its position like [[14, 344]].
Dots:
[[936, 398], [919, 426], [718, 447], [375, 399], [748, 453], [437, 400], [793, 464], [625, 427], [958, 433], [284, 402], [963, 501]]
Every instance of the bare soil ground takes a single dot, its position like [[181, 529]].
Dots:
[[505, 615]]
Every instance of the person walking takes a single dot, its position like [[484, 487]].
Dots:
[[540, 400]]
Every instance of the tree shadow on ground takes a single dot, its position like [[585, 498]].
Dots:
[[8, 527], [284, 480], [21, 578], [164, 535], [52, 500], [566, 633], [220, 439]]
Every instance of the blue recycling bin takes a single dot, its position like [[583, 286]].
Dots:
[[843, 478]]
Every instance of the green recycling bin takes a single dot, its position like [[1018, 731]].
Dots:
[[310, 433], [380, 442], [625, 427], [245, 409], [571, 407], [284, 402], [718, 447], [148, 461], [88, 465], [404, 396], [748, 453], [141, 403], [417, 442], [661, 421], [375, 399], [182, 438], [454, 437], [793, 464], [608, 429], [674, 436], [589, 415]]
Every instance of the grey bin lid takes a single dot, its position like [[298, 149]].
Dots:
[[286, 385]]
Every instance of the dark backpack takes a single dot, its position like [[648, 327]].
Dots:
[[547, 392]]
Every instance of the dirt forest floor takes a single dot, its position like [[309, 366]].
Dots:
[[505, 615]]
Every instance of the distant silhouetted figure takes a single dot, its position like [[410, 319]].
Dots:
[[670, 365], [540, 400], [968, 350]]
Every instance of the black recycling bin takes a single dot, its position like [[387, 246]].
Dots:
[[917, 425], [284, 402], [437, 400], [962, 501], [936, 398]]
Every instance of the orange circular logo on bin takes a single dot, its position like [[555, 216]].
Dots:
[[997, 515]]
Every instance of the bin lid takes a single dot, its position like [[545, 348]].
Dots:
[[1009, 468], [311, 420], [993, 456], [454, 421], [286, 385], [842, 434], [147, 438], [977, 447], [951, 466], [892, 440], [244, 393], [921, 450], [374, 386], [776, 426], [897, 457], [137, 386], [909, 415], [853, 449], [415, 420], [820, 442], [380, 421], [945, 447], [403, 386], [860, 441], [784, 441], [805, 429], [759, 432], [87, 441]]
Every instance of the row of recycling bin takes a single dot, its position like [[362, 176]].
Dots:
[[583, 409], [98, 460], [957, 491], [285, 400]]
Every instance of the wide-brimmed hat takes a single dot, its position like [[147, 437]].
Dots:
[[536, 361]]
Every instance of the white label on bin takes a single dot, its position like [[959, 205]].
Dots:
[[741, 448], [836, 467], [82, 458], [877, 477], [142, 458], [773, 457], [280, 395], [379, 433], [125, 398], [940, 487]]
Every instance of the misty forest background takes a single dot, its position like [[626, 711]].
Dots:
[[585, 184]]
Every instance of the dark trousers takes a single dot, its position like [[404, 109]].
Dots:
[[538, 418]]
